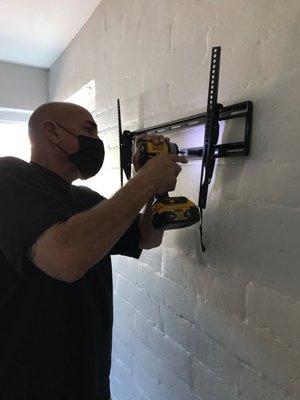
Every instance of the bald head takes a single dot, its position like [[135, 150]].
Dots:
[[52, 129], [54, 112]]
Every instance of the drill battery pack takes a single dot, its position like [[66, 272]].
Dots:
[[173, 213]]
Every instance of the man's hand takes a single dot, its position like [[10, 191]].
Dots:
[[151, 237], [162, 171], [156, 139]]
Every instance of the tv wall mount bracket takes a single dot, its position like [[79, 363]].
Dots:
[[211, 150]]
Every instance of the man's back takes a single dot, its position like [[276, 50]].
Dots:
[[55, 337]]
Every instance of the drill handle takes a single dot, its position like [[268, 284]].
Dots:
[[162, 196]]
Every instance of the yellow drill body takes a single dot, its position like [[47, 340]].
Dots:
[[168, 212]]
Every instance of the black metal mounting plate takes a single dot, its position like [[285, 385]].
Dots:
[[239, 110], [211, 149]]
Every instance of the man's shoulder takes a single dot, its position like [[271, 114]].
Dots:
[[87, 192], [10, 161], [13, 167]]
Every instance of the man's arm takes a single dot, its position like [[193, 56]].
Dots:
[[150, 236], [68, 249]]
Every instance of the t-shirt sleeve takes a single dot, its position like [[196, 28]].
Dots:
[[128, 244], [27, 209]]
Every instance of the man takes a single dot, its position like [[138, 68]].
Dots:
[[56, 240]]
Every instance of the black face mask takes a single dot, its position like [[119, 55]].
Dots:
[[90, 156]]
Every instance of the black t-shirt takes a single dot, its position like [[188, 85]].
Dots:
[[55, 337]]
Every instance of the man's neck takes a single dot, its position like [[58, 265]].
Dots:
[[55, 167]]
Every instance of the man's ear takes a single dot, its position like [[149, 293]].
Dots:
[[50, 128]]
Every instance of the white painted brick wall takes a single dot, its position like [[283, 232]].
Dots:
[[224, 325]]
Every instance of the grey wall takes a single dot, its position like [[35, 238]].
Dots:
[[22, 87], [223, 325]]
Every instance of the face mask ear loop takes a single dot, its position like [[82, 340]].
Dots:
[[62, 149], [68, 132], [66, 129]]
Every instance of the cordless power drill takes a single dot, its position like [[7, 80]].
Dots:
[[167, 212]]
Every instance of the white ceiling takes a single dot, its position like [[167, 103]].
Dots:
[[35, 32]]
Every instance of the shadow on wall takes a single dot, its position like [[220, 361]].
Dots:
[[252, 219]]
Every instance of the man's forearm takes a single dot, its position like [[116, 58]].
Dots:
[[150, 237], [88, 236]]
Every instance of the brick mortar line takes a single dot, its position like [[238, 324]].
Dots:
[[154, 354], [259, 374], [132, 377], [182, 348], [214, 340], [266, 333]]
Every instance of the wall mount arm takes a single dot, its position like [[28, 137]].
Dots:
[[211, 150], [234, 149]]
